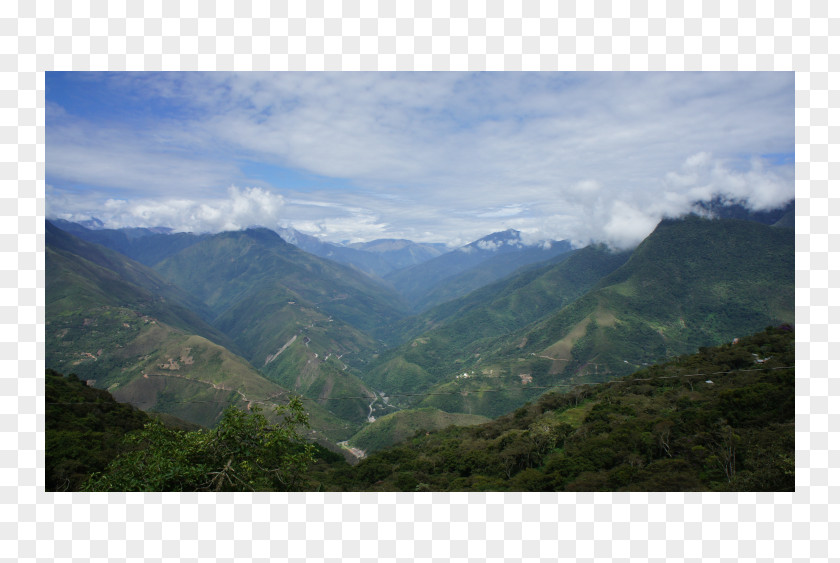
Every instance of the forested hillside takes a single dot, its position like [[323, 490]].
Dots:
[[721, 419], [85, 430]]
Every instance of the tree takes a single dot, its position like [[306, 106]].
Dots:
[[245, 452], [722, 444]]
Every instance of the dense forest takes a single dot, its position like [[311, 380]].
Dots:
[[721, 419]]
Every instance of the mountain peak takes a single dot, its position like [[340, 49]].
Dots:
[[496, 241]]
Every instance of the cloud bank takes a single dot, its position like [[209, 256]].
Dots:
[[443, 157]]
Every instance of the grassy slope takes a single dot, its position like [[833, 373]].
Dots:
[[460, 332], [82, 275], [487, 272], [395, 427], [692, 282]]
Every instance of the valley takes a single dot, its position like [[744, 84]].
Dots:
[[396, 338]]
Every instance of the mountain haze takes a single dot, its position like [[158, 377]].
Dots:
[[378, 257], [458, 272], [693, 282], [247, 318], [147, 246], [305, 322], [118, 325]]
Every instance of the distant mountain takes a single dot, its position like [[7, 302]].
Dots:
[[378, 257], [458, 272], [720, 208], [367, 262], [693, 282], [401, 253], [119, 326], [147, 246], [305, 322], [519, 299]]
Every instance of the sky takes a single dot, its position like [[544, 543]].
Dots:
[[427, 156]]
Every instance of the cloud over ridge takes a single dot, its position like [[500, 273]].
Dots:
[[424, 156]]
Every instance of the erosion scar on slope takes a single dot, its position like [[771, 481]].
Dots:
[[270, 358]]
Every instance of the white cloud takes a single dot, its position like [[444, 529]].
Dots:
[[428, 156], [490, 244], [627, 225], [243, 207]]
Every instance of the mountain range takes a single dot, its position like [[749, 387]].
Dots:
[[388, 337]]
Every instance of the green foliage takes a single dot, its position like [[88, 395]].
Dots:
[[84, 430], [663, 428], [244, 452]]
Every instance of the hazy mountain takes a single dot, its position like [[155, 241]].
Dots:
[[367, 262], [720, 208], [147, 246], [378, 257], [455, 273], [305, 322], [401, 253], [691, 283], [118, 325], [227, 267]]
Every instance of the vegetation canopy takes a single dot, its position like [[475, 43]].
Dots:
[[244, 452]]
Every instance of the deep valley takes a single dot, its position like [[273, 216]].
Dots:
[[394, 343]]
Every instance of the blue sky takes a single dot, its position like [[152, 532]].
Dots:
[[436, 157]]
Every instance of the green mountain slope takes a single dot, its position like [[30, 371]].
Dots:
[[226, 267], [143, 245], [487, 272], [300, 319], [517, 300], [111, 325], [693, 282], [84, 430], [452, 338], [396, 427], [295, 345], [458, 272], [81, 276], [721, 419]]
